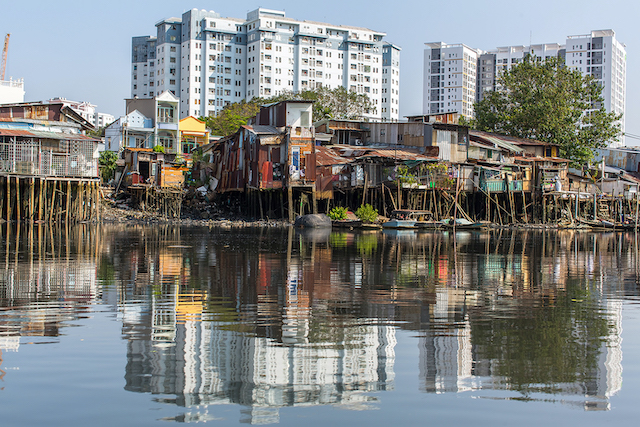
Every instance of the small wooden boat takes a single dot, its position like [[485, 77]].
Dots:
[[464, 224], [410, 219], [429, 225], [347, 223], [400, 224]]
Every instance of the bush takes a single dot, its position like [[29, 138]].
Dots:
[[367, 213], [107, 163], [338, 213], [158, 149]]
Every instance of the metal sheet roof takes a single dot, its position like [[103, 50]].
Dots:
[[504, 144], [15, 132]]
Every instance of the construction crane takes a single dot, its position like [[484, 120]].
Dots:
[[3, 64]]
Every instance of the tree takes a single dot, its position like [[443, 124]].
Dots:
[[97, 132], [328, 103], [337, 103], [547, 101], [233, 116]]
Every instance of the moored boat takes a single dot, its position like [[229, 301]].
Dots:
[[464, 224]]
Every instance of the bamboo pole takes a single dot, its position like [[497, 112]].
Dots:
[[384, 201], [68, 212], [2, 194], [524, 207], [42, 183], [18, 212], [53, 201], [32, 183], [290, 200]]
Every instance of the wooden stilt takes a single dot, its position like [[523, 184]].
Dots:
[[68, 211], [384, 202], [314, 199], [53, 202], [32, 184], [290, 200], [41, 197], [18, 201]]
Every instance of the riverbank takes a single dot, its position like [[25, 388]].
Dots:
[[114, 212]]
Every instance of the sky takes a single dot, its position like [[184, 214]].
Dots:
[[81, 50]]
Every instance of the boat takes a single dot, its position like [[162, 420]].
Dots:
[[429, 225], [347, 223], [400, 224], [407, 219], [464, 224]]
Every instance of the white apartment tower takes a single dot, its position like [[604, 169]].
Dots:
[[390, 99], [210, 61], [598, 54], [449, 78]]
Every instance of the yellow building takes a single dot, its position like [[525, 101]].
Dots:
[[192, 133]]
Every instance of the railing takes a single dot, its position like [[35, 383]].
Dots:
[[29, 159], [499, 185]]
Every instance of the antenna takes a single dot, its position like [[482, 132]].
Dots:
[[3, 64]]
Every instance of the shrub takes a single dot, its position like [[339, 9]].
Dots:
[[367, 213], [158, 149], [338, 213], [107, 163]]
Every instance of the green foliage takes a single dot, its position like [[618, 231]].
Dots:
[[107, 162], [96, 133], [233, 116], [463, 121], [158, 149], [405, 176], [338, 213], [367, 213], [337, 103], [548, 101]]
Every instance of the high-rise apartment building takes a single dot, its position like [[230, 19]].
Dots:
[[602, 56], [598, 54], [209, 61], [449, 78]]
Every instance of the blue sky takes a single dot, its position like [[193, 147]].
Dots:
[[81, 50]]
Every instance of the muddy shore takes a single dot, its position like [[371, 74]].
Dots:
[[112, 212]]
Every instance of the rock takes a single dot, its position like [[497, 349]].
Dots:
[[313, 221]]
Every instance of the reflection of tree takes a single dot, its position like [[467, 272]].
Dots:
[[538, 346]]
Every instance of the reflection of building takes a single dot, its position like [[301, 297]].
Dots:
[[467, 346], [446, 361], [205, 360], [211, 365], [56, 286]]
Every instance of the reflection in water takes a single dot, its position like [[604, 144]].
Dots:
[[41, 283], [269, 318]]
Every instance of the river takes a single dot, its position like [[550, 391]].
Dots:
[[138, 325]]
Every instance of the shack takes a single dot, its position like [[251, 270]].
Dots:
[[48, 166]]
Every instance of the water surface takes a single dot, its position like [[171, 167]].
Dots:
[[139, 325]]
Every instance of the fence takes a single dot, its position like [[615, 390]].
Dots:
[[73, 159]]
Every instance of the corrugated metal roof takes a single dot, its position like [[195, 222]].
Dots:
[[263, 130], [504, 144], [329, 157], [508, 139], [15, 132], [399, 154]]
